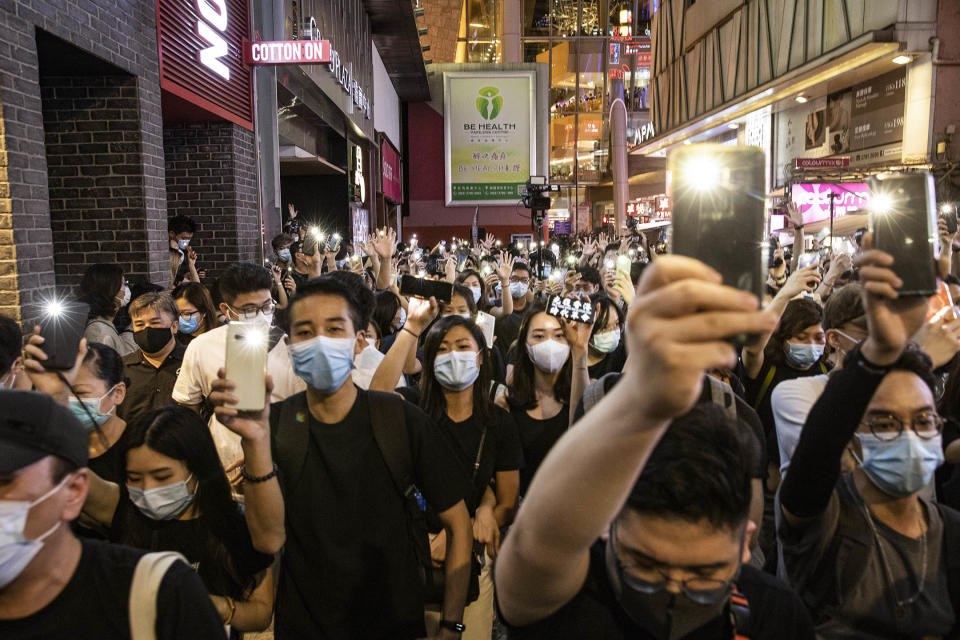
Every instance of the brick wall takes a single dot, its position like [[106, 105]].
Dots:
[[94, 175], [123, 34], [211, 177]]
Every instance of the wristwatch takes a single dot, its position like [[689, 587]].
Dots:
[[450, 625]]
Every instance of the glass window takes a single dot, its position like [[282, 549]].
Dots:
[[536, 17], [591, 18], [563, 140], [483, 31], [590, 64], [565, 17], [536, 52], [563, 78], [621, 18], [591, 151]]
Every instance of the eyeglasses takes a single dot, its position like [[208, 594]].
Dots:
[[190, 314], [926, 424], [519, 279], [250, 311], [652, 580]]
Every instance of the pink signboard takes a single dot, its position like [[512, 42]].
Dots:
[[813, 199], [392, 179]]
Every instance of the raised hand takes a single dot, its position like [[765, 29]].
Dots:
[[49, 382], [385, 243], [249, 425], [505, 268], [801, 280], [578, 333], [420, 313], [292, 211], [793, 215]]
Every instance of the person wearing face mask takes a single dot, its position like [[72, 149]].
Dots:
[[508, 326], [153, 369], [606, 352], [640, 472], [461, 304], [104, 288], [485, 442], [197, 311], [174, 496], [245, 290], [11, 360], [319, 485], [845, 325], [46, 572], [867, 553], [548, 381], [180, 230]]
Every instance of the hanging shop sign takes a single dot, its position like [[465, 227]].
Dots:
[[489, 136], [876, 116], [358, 180], [822, 163], [390, 176], [201, 56], [343, 73], [813, 199], [287, 52]]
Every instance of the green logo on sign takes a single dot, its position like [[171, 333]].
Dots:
[[484, 102]]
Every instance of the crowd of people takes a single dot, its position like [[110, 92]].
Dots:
[[415, 474]]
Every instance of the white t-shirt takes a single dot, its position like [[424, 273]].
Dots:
[[791, 401], [204, 356]]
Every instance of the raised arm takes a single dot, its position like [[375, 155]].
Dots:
[[678, 325], [387, 375], [578, 335]]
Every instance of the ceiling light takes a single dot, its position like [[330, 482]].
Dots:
[[902, 59], [801, 99], [733, 125]]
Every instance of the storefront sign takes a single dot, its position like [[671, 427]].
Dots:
[[391, 178], [877, 112], [489, 136], [287, 52], [813, 199], [357, 179], [561, 227], [201, 61], [641, 132], [343, 73], [822, 163]]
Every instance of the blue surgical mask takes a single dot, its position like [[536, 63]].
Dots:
[[607, 341], [162, 503], [284, 254], [87, 411], [323, 363], [518, 289], [456, 370], [476, 291], [188, 325], [804, 355], [900, 467], [183, 244]]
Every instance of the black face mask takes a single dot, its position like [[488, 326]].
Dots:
[[152, 339]]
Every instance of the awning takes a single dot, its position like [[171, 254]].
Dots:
[[394, 29]]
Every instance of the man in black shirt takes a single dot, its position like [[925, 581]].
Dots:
[[52, 585], [350, 567], [508, 327], [673, 561], [152, 370]]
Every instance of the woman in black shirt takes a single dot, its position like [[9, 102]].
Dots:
[[606, 351], [455, 393], [176, 498]]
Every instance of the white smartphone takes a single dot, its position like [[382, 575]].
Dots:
[[246, 363], [486, 323]]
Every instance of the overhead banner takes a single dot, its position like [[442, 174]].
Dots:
[[489, 136], [877, 114], [813, 199], [390, 177]]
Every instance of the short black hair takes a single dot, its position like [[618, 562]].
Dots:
[[355, 295], [180, 224], [521, 266], [280, 240], [590, 274], [698, 472], [10, 342], [243, 277], [365, 299]]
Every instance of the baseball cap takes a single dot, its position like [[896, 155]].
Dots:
[[33, 426]]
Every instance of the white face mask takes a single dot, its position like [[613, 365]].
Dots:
[[476, 293], [265, 318], [125, 296], [16, 552], [549, 356], [607, 341], [162, 503], [402, 320], [456, 370]]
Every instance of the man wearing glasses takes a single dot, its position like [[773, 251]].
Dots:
[[870, 556], [245, 290], [663, 483]]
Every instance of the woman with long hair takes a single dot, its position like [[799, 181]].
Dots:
[[549, 378], [197, 311], [454, 391], [606, 352], [176, 497], [104, 288]]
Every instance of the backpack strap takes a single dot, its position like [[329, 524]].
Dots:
[[764, 387], [951, 540], [144, 591], [387, 419], [739, 614], [292, 439], [721, 394]]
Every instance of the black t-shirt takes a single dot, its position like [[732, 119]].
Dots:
[[110, 464], [349, 567], [149, 387], [94, 603], [612, 362], [506, 330], [224, 576], [501, 449], [776, 613], [537, 438]]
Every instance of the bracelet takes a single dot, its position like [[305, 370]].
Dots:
[[233, 610], [450, 625], [415, 335], [257, 479]]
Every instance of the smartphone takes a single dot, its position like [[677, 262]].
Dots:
[[903, 220], [623, 265], [486, 323], [576, 309], [423, 288], [246, 363], [807, 259], [62, 325], [951, 219], [333, 245]]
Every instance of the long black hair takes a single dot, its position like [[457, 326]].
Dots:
[[181, 434], [799, 314], [432, 400], [385, 311], [99, 287], [523, 394], [106, 365], [605, 306]]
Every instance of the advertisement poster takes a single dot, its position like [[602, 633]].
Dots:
[[838, 121], [815, 130], [876, 116], [813, 199], [391, 177], [489, 136]]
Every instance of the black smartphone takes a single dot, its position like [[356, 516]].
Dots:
[[62, 325], [903, 220], [950, 217], [718, 218], [423, 288]]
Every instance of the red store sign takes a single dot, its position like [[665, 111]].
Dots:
[[392, 178], [201, 55], [287, 52]]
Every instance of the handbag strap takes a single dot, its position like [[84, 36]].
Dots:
[[144, 591], [476, 463]]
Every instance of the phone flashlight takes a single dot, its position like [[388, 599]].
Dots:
[[881, 203], [54, 308]]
